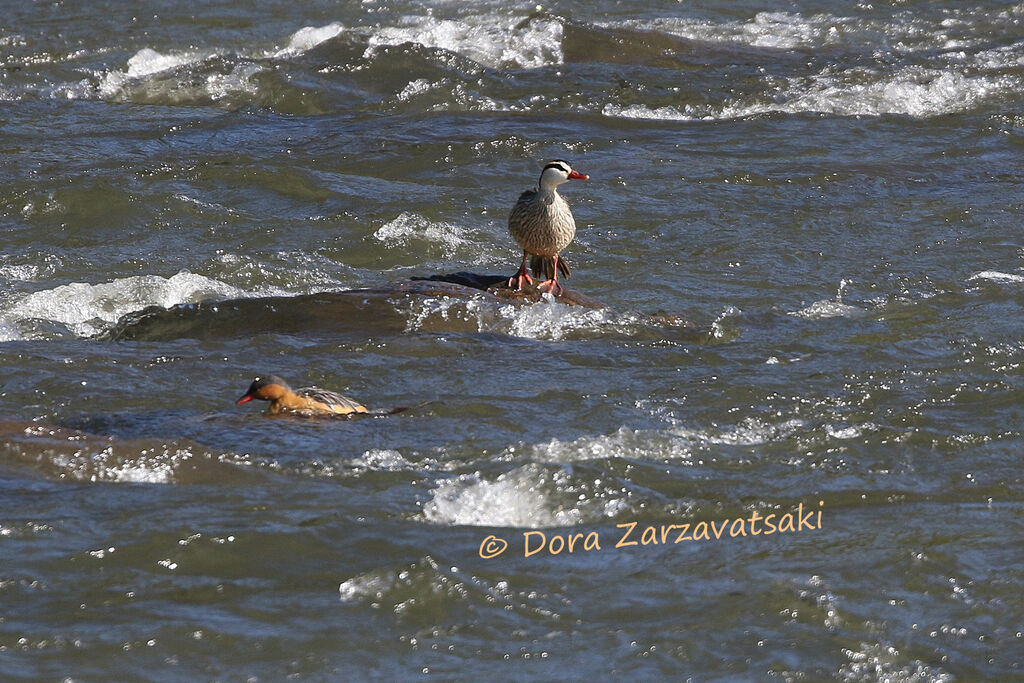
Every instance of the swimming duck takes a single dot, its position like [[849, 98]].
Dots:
[[542, 224], [306, 401]]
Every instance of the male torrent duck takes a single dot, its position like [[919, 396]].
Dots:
[[306, 401], [542, 224]]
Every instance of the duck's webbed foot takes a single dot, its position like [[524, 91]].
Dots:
[[551, 286], [516, 281]]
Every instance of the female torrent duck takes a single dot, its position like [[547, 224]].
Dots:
[[542, 224], [306, 401]]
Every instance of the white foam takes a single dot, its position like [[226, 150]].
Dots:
[[780, 30], [996, 276], [285, 273], [911, 91], [493, 41], [239, 80], [848, 432], [624, 443], [366, 586], [409, 227], [146, 62], [641, 111], [749, 432], [553, 320], [414, 89], [13, 40], [393, 584], [785, 30], [679, 441], [20, 272], [721, 328], [308, 37], [830, 308], [86, 309], [518, 498], [545, 320], [149, 467], [1004, 57], [382, 460], [138, 473], [488, 40], [901, 32], [8, 332], [676, 442], [23, 529]]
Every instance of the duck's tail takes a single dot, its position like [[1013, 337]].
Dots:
[[381, 412], [542, 270]]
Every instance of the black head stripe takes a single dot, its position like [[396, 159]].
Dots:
[[559, 164]]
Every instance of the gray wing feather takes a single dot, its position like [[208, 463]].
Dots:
[[331, 398]]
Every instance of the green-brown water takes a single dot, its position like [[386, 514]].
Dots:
[[831, 193]]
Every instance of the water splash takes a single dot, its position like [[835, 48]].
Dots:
[[548, 320], [519, 498], [87, 309], [830, 308], [410, 228]]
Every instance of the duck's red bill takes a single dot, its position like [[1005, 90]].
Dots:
[[573, 175], [244, 399]]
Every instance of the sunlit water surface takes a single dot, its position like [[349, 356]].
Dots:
[[830, 193]]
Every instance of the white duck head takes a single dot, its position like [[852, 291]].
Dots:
[[557, 172]]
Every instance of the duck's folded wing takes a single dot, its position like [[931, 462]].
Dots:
[[525, 211], [343, 404]]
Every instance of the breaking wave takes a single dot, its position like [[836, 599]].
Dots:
[[859, 65], [87, 309]]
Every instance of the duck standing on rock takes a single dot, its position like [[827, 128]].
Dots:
[[542, 224], [306, 401]]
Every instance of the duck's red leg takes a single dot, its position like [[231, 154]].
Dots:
[[516, 281], [551, 285]]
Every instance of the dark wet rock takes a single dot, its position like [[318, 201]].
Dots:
[[498, 286], [358, 313], [353, 314], [466, 279]]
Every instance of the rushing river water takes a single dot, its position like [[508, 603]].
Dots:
[[829, 194]]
